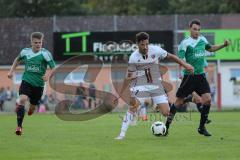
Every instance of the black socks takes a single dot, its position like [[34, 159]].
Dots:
[[20, 115], [173, 111], [204, 116]]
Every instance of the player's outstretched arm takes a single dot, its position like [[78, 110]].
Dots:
[[187, 66], [218, 47], [16, 62]]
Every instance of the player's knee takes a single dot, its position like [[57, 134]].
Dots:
[[23, 100], [207, 101], [134, 104], [179, 102], [163, 109], [165, 113], [197, 101], [134, 108]]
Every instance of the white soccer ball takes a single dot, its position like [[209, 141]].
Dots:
[[158, 128]]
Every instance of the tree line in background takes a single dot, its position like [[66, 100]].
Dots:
[[46, 8]]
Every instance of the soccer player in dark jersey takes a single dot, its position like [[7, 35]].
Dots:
[[192, 49], [36, 59]]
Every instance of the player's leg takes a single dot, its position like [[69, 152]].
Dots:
[[206, 99], [129, 117], [143, 109], [195, 98], [141, 112], [198, 101], [163, 108], [20, 110], [203, 89], [186, 88], [24, 92], [34, 99], [162, 104], [173, 110], [31, 109]]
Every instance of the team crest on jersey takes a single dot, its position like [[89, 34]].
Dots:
[[153, 56]]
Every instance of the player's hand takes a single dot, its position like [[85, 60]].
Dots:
[[189, 68], [226, 43], [10, 75], [45, 78]]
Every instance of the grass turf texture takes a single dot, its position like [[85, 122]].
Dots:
[[47, 137]]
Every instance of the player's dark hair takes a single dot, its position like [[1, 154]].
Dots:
[[194, 21], [141, 36], [37, 35]]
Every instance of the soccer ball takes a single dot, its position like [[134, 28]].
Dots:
[[158, 128]]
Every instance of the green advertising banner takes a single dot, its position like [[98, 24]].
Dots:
[[217, 36], [69, 44]]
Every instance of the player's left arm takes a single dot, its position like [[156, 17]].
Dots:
[[213, 48], [51, 64], [47, 74]]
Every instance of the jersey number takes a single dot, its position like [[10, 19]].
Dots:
[[148, 75]]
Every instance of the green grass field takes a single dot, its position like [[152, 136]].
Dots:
[[47, 137]]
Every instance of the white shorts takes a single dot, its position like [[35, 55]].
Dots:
[[156, 100]]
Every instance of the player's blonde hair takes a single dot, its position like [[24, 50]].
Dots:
[[37, 35]]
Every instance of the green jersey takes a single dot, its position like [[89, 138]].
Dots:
[[35, 65], [193, 51]]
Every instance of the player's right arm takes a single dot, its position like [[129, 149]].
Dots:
[[131, 74], [126, 83], [187, 66], [163, 69], [16, 62]]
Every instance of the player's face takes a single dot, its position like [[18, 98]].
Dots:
[[143, 46], [36, 44], [195, 31]]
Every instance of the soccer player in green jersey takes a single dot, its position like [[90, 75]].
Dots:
[[36, 59], [195, 98], [192, 49]]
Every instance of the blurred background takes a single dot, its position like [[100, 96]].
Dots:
[[105, 30]]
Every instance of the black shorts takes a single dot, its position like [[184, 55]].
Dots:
[[34, 93], [190, 83]]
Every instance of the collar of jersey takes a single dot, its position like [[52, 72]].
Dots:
[[193, 42], [34, 54]]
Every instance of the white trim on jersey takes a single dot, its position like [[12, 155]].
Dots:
[[154, 54]]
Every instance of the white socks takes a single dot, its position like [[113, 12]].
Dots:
[[129, 117], [143, 110]]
